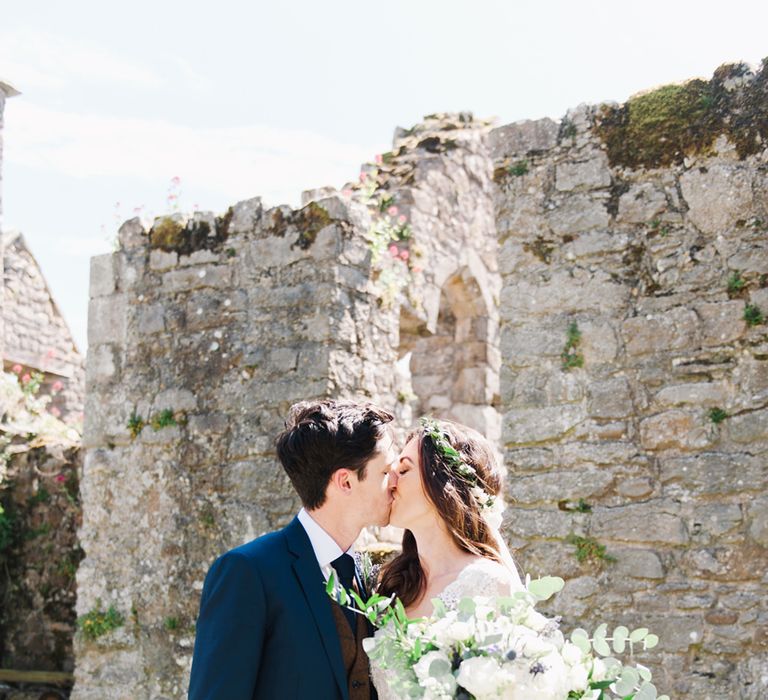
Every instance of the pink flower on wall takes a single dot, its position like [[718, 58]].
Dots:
[[55, 411], [60, 478], [26, 378], [379, 159], [392, 211], [16, 368], [404, 255], [363, 176], [393, 251], [57, 386], [402, 219]]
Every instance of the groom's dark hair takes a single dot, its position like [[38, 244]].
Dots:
[[323, 436]]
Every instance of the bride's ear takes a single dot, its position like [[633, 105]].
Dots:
[[340, 480]]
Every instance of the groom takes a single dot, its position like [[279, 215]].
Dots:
[[267, 628]]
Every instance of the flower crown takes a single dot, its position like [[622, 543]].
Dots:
[[488, 504]]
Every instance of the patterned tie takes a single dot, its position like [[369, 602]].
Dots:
[[345, 570]]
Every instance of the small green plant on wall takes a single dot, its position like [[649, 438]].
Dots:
[[717, 415], [519, 169], [753, 315], [135, 424], [163, 419], [571, 356], [98, 622], [735, 284], [580, 506], [589, 549]]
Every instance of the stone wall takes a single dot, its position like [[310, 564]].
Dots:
[[623, 266], [203, 331], [646, 436], [36, 336]]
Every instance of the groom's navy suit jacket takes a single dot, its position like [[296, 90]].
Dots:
[[266, 630]]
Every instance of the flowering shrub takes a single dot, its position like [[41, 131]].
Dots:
[[389, 237], [25, 421]]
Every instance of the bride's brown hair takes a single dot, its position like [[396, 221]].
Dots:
[[451, 495]]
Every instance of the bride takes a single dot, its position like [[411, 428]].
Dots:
[[447, 496]]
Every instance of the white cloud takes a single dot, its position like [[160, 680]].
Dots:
[[34, 60], [236, 161]]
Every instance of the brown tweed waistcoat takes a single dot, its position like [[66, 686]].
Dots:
[[355, 658]]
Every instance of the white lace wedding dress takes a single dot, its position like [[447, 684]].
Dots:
[[480, 578]]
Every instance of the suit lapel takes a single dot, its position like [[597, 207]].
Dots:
[[312, 582]]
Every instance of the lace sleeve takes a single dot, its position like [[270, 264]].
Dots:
[[484, 578]]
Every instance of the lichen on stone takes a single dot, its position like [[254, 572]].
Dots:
[[661, 127]]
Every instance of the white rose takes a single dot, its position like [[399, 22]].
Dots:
[[480, 676], [451, 630], [536, 621], [578, 677], [598, 669], [536, 646], [571, 654]]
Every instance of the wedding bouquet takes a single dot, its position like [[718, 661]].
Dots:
[[503, 648]]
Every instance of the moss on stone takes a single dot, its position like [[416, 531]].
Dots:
[[167, 234], [170, 235], [308, 221], [311, 220], [660, 128]]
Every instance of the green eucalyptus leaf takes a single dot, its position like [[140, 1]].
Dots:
[[601, 646], [582, 643], [647, 692], [644, 672], [545, 587], [620, 635], [650, 641], [601, 631], [627, 682], [467, 606], [663, 697], [440, 668], [638, 634], [621, 632], [581, 639], [439, 607]]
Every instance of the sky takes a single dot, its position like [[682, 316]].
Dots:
[[244, 99]]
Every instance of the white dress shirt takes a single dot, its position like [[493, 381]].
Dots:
[[325, 547]]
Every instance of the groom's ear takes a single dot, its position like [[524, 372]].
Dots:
[[341, 480]]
